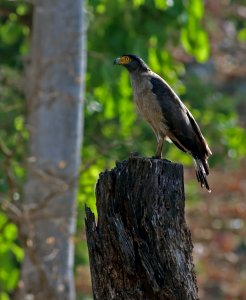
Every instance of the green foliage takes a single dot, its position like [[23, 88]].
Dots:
[[14, 32], [193, 37], [152, 29], [242, 35], [11, 256], [13, 134], [216, 113]]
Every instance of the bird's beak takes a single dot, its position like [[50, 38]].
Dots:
[[117, 61]]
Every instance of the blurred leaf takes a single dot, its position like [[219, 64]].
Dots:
[[161, 4], [10, 32], [138, 2], [196, 8], [4, 296], [203, 51], [22, 9], [242, 35]]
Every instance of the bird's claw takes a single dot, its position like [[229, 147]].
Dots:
[[134, 154]]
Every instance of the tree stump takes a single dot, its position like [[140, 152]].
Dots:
[[140, 247]]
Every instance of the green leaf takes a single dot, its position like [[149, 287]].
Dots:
[[153, 60], [185, 40], [10, 232], [241, 35], [196, 8], [10, 32], [22, 9], [161, 4], [195, 41], [4, 296], [202, 49], [138, 3], [18, 252]]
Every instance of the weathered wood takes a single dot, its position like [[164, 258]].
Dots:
[[140, 247]]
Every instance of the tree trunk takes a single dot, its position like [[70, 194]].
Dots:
[[55, 93], [140, 247]]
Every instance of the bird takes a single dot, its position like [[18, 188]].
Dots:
[[166, 114]]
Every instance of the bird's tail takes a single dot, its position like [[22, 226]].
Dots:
[[202, 170]]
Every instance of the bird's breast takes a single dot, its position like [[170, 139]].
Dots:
[[148, 105]]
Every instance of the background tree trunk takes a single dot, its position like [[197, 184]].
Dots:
[[54, 94], [140, 247]]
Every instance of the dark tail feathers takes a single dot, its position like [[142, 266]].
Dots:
[[202, 170]]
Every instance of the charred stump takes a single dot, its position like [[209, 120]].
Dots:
[[140, 247]]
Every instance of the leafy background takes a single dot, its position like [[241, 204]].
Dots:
[[199, 48]]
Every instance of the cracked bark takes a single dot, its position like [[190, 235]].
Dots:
[[140, 247]]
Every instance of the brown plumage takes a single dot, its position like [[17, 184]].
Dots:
[[166, 114]]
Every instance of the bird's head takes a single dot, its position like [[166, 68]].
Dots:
[[133, 63]]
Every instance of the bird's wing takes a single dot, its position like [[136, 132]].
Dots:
[[183, 129], [198, 132]]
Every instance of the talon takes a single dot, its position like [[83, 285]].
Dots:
[[134, 154]]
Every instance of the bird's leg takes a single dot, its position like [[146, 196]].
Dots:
[[158, 153]]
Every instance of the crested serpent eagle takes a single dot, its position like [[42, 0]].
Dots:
[[166, 114]]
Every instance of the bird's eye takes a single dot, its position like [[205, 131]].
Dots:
[[125, 60]]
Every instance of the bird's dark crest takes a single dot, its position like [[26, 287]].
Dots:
[[139, 60], [134, 57]]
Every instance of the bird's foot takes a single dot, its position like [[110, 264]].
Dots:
[[156, 157], [134, 154]]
